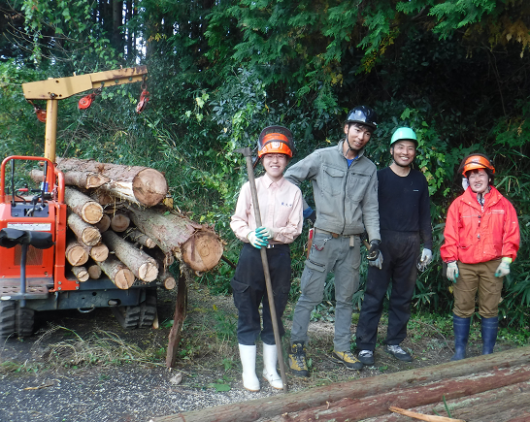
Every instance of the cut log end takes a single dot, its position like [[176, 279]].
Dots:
[[94, 272], [119, 223], [92, 212], [148, 272], [170, 283], [150, 187], [203, 251], [104, 224], [99, 252], [81, 273], [124, 279]]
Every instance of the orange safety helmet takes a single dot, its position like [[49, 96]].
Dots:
[[275, 140], [477, 161]]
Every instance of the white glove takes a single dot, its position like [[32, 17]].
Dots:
[[425, 260], [256, 241], [264, 232], [504, 268], [426, 256], [378, 262], [452, 271]]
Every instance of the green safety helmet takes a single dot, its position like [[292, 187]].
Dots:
[[404, 134]]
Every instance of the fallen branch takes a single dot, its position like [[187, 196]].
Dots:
[[422, 417]]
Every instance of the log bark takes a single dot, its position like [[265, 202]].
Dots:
[[76, 254], [142, 265], [94, 272], [86, 233], [354, 409], [104, 224], [118, 272], [90, 211], [178, 321], [297, 402], [82, 180], [139, 185], [482, 407], [119, 222], [136, 236], [80, 273], [197, 245]]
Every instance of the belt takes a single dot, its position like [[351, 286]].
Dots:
[[275, 245], [334, 235]]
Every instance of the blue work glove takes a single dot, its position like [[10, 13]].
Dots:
[[504, 267], [425, 260], [264, 232], [256, 241], [452, 271]]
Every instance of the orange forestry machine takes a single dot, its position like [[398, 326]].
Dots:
[[33, 275]]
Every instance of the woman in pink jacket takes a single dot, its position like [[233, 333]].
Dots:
[[481, 241]]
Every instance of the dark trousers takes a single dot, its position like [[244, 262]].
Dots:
[[401, 251], [249, 289]]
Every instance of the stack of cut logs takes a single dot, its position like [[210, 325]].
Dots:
[[118, 227]]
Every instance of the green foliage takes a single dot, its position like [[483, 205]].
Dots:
[[221, 72]]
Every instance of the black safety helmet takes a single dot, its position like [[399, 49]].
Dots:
[[363, 115]]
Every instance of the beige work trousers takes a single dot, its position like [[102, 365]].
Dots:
[[477, 277]]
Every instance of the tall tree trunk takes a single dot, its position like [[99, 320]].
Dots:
[[130, 36], [117, 12]]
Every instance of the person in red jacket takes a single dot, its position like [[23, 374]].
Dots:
[[481, 241]]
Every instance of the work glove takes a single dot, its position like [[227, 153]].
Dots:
[[256, 241], [504, 267], [377, 262], [452, 271], [425, 260], [374, 253], [264, 232]]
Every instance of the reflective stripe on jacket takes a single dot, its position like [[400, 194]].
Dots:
[[345, 197], [473, 235]]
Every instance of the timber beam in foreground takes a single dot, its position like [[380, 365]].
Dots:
[[370, 397]]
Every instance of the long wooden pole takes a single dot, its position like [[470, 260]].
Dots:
[[178, 321], [250, 170]]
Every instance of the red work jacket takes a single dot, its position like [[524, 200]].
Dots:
[[474, 235]]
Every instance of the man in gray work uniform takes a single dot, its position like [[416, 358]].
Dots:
[[345, 192]]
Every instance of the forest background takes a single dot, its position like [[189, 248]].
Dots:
[[457, 71]]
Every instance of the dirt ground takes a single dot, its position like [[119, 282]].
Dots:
[[85, 367]]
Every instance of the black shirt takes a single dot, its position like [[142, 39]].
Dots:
[[404, 203]]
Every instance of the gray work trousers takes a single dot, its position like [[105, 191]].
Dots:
[[336, 255]]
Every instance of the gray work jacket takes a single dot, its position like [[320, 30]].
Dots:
[[345, 198]]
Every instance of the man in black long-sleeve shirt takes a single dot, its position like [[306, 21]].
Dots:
[[404, 212]]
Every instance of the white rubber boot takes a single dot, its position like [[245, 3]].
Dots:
[[248, 361], [270, 360]]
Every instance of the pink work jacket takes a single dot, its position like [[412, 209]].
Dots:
[[474, 235]]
